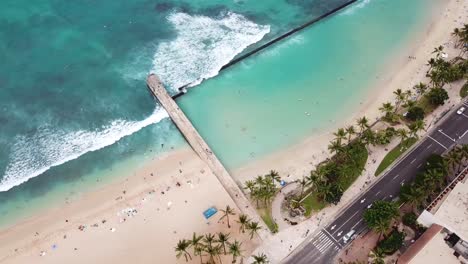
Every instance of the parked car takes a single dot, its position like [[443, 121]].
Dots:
[[348, 236], [461, 110]]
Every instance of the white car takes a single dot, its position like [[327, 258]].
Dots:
[[461, 110], [348, 236]]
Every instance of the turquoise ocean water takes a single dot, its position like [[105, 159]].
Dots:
[[74, 107]]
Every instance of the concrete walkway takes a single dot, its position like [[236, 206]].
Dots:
[[204, 152], [276, 206]]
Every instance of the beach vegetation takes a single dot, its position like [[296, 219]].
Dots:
[[226, 213], [235, 250], [437, 96], [213, 246], [461, 36], [223, 239], [182, 249], [415, 127], [260, 259], [253, 228], [415, 113], [381, 215], [420, 89], [262, 190], [243, 221], [405, 143]]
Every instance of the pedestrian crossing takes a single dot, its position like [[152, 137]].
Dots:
[[322, 242]]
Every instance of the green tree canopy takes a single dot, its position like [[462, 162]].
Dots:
[[380, 215]]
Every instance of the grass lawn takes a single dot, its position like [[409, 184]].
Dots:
[[393, 155], [265, 214], [353, 169], [464, 90], [312, 204]]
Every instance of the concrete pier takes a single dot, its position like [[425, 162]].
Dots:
[[204, 152]]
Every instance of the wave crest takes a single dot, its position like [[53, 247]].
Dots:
[[203, 45], [32, 156]]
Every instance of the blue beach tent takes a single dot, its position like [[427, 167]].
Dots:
[[210, 212]]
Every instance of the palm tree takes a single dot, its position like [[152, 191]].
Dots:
[[303, 183], [226, 213], [350, 131], [457, 34], [274, 175], [198, 246], [400, 97], [260, 259], [253, 228], [377, 256], [453, 158], [250, 185], [387, 108], [223, 239], [403, 135], [335, 147], [363, 124], [213, 251], [181, 249], [431, 63], [464, 152], [438, 51], [420, 89], [209, 239], [415, 127], [340, 134], [235, 250], [243, 222]]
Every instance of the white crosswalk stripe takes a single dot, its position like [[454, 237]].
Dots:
[[322, 243]]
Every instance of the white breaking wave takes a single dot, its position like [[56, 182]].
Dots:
[[33, 156], [355, 7], [203, 46]]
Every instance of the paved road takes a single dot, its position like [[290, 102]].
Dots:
[[323, 246]]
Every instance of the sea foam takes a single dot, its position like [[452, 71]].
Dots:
[[32, 156], [202, 46]]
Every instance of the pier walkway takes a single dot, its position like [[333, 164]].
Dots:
[[204, 152]]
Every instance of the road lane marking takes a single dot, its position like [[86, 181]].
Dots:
[[465, 115], [419, 166], [346, 222], [460, 137], [442, 132], [396, 176], [356, 224], [330, 235], [429, 146], [377, 193], [413, 161], [437, 142]]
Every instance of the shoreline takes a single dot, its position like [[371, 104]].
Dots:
[[182, 165]]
